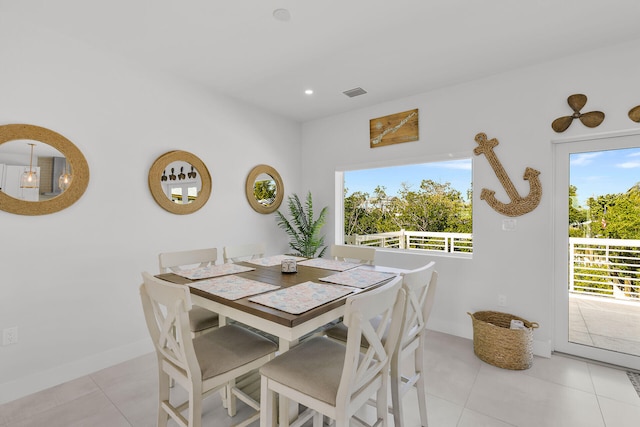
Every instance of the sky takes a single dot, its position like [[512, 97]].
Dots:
[[456, 172], [592, 173], [604, 172]]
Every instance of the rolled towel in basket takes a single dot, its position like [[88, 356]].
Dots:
[[517, 324]]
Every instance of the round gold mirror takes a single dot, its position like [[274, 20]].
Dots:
[[55, 175], [264, 189], [180, 182]]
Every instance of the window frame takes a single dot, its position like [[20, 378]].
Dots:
[[339, 186]]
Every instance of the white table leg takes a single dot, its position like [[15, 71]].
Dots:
[[287, 410]]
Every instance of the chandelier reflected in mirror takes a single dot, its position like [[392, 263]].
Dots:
[[29, 178], [64, 181]]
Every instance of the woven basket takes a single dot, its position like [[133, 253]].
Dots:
[[497, 344]]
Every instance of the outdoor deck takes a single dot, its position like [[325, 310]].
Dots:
[[605, 322], [610, 267]]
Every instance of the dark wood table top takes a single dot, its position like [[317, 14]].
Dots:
[[272, 275]]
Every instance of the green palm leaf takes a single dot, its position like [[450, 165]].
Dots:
[[302, 229]]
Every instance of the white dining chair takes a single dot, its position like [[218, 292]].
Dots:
[[334, 379], [201, 320], [420, 286], [363, 254], [201, 365], [243, 252]]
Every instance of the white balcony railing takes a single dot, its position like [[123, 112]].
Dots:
[[424, 240], [605, 267], [602, 267]]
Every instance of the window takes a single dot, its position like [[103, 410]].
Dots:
[[423, 206]]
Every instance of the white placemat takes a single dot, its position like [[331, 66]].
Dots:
[[213, 271], [302, 297], [233, 287], [273, 260], [358, 278], [329, 264]]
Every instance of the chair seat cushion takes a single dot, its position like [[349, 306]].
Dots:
[[292, 368], [229, 347], [339, 332], [200, 319]]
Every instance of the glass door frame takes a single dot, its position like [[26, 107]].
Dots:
[[562, 149]]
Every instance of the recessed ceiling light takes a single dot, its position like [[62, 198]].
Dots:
[[309, 91], [282, 15]]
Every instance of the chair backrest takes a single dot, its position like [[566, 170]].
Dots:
[[173, 261], [362, 372], [420, 286], [166, 310], [243, 252], [364, 254]]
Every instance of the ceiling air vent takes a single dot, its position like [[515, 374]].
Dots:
[[354, 92]]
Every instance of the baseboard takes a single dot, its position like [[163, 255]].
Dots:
[[542, 348], [539, 348], [38, 381]]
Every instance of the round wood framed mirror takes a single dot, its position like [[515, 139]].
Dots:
[[76, 168], [180, 182], [264, 189]]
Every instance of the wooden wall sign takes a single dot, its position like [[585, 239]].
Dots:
[[394, 129]]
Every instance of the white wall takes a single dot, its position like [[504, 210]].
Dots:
[[69, 281], [517, 108], [77, 306]]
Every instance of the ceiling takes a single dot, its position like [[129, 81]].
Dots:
[[390, 48]]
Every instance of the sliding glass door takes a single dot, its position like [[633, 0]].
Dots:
[[597, 247]]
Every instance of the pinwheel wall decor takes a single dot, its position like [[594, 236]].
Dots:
[[634, 114], [577, 102]]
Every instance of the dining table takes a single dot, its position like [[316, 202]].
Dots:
[[285, 305]]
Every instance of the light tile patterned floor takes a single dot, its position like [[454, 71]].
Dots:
[[605, 323], [463, 392]]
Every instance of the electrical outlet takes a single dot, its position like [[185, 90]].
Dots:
[[509, 225], [502, 300], [10, 336]]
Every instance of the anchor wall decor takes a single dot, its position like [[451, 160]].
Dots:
[[518, 205]]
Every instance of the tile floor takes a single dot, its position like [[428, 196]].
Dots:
[[463, 392], [605, 322]]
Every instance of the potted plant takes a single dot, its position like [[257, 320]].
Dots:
[[303, 230]]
